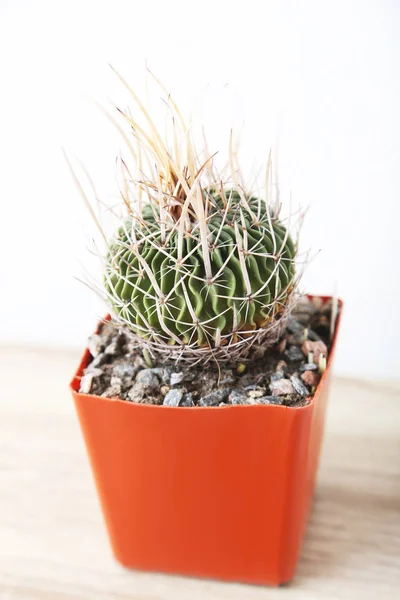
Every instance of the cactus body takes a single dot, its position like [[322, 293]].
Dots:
[[175, 302]]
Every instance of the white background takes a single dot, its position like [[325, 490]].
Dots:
[[323, 76]]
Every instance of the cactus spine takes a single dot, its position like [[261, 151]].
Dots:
[[200, 268]]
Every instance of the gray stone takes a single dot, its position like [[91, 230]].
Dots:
[[281, 387], [250, 387], [214, 398], [294, 400], [187, 400], [228, 381], [308, 367], [114, 389], [294, 353], [137, 392], [112, 348], [95, 344], [181, 376], [108, 331], [277, 376], [269, 400], [236, 397], [124, 368], [299, 386], [97, 362], [173, 398], [227, 377], [148, 379], [164, 373], [86, 383], [176, 378]]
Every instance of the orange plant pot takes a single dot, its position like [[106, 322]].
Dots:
[[218, 492]]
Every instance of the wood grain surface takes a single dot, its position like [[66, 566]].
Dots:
[[53, 545]]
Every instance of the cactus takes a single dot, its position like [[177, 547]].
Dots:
[[200, 268]]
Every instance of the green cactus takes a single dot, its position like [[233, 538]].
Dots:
[[199, 269], [159, 296]]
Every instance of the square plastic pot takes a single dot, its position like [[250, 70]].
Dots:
[[219, 492]]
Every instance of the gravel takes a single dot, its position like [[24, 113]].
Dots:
[[278, 375], [173, 398]]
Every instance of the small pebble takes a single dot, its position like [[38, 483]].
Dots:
[[294, 400], [269, 400], [124, 369], [112, 348], [86, 383], [100, 360], [228, 381], [147, 378], [214, 398], [176, 378], [294, 353], [299, 386], [236, 397], [87, 379], [277, 376], [182, 376], [114, 390], [187, 400], [251, 386], [281, 387], [311, 378], [95, 344], [173, 398], [137, 392], [308, 367]]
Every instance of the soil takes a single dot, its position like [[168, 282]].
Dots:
[[286, 374]]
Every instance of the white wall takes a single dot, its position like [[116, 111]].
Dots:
[[324, 75]]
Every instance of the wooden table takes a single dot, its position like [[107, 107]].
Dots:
[[53, 545]]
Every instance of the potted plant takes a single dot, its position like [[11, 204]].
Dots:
[[201, 398]]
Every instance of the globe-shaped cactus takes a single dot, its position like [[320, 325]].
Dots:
[[199, 268]]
